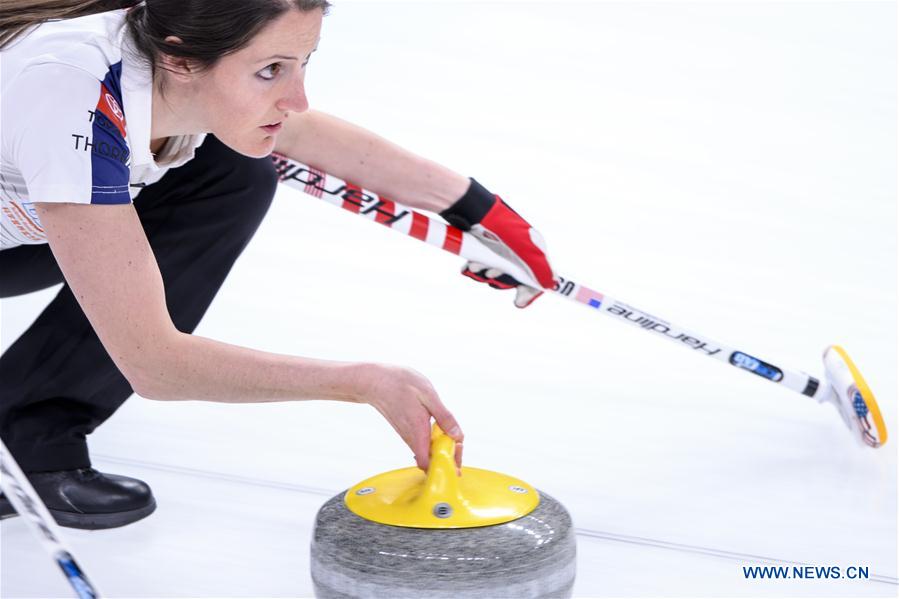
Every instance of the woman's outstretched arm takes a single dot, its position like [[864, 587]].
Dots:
[[109, 265]]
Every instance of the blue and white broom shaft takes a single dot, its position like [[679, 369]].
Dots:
[[30, 507], [434, 232]]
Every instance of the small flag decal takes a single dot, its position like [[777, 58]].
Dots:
[[585, 295]]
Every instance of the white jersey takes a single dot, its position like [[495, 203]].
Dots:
[[75, 109]]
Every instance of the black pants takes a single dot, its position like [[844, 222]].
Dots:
[[57, 382]]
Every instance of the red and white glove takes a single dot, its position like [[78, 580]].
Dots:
[[505, 232]]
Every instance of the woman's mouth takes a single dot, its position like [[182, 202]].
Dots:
[[271, 128]]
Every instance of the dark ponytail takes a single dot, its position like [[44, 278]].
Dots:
[[18, 15], [208, 29]]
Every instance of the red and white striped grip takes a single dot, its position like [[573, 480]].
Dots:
[[402, 219]]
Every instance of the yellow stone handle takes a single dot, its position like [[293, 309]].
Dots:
[[442, 482]]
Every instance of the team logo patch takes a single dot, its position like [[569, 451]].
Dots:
[[109, 107], [114, 107]]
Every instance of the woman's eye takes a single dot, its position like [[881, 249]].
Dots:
[[270, 72]]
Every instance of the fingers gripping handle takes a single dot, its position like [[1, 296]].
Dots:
[[475, 251], [396, 216]]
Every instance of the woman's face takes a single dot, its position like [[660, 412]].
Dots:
[[260, 84]]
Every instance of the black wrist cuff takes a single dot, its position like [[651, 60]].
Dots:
[[471, 208]]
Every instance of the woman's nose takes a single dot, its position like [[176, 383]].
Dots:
[[296, 100]]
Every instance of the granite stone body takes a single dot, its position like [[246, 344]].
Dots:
[[533, 556]]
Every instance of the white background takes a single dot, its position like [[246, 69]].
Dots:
[[728, 166]]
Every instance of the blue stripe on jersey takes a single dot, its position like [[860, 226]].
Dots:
[[110, 155]]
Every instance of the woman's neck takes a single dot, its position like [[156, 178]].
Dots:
[[171, 116]]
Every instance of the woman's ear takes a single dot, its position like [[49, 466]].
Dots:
[[177, 66]]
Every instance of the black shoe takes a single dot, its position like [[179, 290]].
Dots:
[[85, 498]]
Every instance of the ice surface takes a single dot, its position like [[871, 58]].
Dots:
[[727, 166]]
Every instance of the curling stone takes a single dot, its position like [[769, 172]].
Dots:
[[406, 533]]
